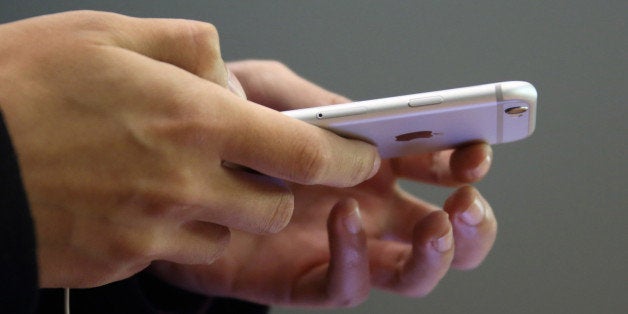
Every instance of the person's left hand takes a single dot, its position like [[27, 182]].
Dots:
[[332, 253]]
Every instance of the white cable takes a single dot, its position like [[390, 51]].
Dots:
[[66, 293]]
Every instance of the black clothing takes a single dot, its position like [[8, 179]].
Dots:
[[19, 291], [18, 260]]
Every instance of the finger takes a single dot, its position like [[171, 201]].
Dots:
[[346, 281], [415, 272], [233, 198], [471, 163], [348, 274], [399, 224], [207, 119], [248, 202], [156, 239], [306, 154], [204, 120], [272, 84], [447, 168], [206, 124], [195, 243], [475, 227], [190, 45]]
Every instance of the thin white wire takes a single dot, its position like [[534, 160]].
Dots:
[[66, 293]]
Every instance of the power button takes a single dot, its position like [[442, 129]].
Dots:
[[425, 101]]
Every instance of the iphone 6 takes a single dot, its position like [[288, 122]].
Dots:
[[419, 123]]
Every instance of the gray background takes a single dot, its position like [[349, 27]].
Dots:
[[560, 196]]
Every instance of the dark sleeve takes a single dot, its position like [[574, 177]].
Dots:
[[18, 260], [142, 294], [169, 299]]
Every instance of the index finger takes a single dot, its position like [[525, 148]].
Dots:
[[279, 146], [453, 167]]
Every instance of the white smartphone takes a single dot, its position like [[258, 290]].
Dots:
[[419, 123]]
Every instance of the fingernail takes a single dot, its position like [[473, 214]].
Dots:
[[474, 214], [376, 164], [444, 243], [353, 221], [234, 85], [481, 169]]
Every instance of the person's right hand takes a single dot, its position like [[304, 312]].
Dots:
[[124, 131]]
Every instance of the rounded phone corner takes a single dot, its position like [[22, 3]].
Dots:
[[522, 91], [519, 90]]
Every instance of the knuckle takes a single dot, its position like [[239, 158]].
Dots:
[[334, 99], [99, 21], [201, 44], [170, 172], [157, 208], [90, 16], [165, 137], [273, 66], [203, 29], [281, 214], [182, 186], [200, 34], [362, 167], [314, 161], [136, 249], [168, 195], [271, 71], [171, 188], [189, 132]]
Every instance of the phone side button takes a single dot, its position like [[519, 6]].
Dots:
[[425, 101]]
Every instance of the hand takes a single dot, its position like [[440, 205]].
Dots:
[[333, 253], [126, 137]]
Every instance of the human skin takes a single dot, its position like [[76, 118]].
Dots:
[[126, 136], [343, 242]]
